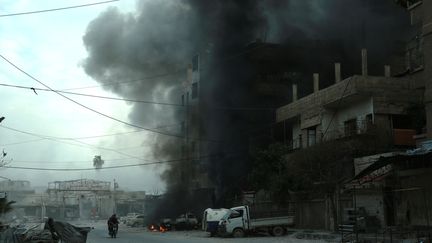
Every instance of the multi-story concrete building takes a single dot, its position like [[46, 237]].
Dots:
[[349, 107], [388, 186], [419, 52], [228, 103], [395, 186]]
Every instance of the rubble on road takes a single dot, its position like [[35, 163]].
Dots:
[[43, 233]]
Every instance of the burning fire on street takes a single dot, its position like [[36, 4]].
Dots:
[[157, 228]]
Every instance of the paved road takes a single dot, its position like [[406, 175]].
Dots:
[[137, 235], [134, 235]]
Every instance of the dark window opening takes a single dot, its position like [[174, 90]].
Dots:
[[401, 122], [311, 136], [195, 63], [183, 100], [350, 127], [194, 90]]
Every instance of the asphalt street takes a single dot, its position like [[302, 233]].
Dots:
[[136, 235]]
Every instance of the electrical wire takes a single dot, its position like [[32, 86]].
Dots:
[[57, 9], [136, 100], [86, 145], [22, 142], [90, 95], [95, 111], [42, 136], [109, 167], [130, 81], [68, 161], [83, 145]]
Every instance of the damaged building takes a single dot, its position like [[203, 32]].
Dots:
[[387, 181]]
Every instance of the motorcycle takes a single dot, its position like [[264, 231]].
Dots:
[[113, 229]]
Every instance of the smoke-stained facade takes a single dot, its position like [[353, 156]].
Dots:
[[162, 37]]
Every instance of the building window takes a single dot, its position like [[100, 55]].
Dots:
[[193, 147], [369, 121], [350, 127], [195, 63], [194, 90], [183, 100], [183, 127], [311, 136]]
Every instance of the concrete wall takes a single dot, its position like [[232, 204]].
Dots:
[[373, 203], [427, 55], [311, 214], [413, 202], [296, 134], [310, 107], [358, 110]]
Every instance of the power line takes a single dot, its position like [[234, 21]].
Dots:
[[117, 166], [86, 145], [68, 161], [22, 142], [130, 81], [100, 113], [109, 167], [90, 95], [136, 100], [91, 109], [57, 9], [43, 136]]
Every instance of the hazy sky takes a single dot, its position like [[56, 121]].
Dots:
[[49, 46]]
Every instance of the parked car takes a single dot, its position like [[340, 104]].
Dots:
[[124, 219], [136, 221], [166, 224], [186, 221]]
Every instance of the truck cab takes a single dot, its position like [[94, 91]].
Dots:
[[236, 221], [211, 219]]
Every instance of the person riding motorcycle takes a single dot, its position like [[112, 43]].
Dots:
[[112, 222]]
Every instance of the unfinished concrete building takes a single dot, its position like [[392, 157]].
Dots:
[[83, 198], [392, 187], [350, 107]]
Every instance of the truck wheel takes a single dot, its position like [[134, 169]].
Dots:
[[238, 233], [277, 231]]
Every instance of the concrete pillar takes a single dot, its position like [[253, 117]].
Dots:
[[338, 76], [427, 56], [316, 82], [294, 92], [387, 71], [364, 62]]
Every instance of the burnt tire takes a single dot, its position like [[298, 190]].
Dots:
[[277, 231], [238, 233]]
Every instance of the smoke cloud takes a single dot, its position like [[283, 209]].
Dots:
[[162, 36]]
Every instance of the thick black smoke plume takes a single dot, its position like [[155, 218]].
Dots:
[[162, 36]]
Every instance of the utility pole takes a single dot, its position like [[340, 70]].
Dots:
[[114, 196]]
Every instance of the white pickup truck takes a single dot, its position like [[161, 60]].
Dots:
[[238, 222]]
